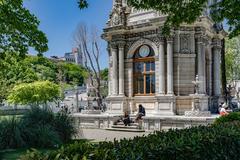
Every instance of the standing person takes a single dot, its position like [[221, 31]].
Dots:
[[141, 112]]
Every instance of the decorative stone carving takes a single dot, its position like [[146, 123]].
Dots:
[[185, 43], [216, 42], [121, 44], [118, 15], [116, 19], [169, 39], [157, 40], [113, 45]]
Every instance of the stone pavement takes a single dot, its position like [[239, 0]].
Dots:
[[97, 135]]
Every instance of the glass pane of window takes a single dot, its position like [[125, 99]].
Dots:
[[153, 83], [152, 66], [148, 82], [138, 66], [148, 66], [139, 85]]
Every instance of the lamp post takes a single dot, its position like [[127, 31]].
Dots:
[[76, 88]]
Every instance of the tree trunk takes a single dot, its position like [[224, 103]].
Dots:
[[223, 69]]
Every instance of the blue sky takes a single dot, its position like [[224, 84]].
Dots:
[[59, 19]]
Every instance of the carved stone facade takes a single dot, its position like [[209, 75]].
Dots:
[[165, 88]]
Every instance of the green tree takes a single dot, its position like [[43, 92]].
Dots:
[[72, 74], [13, 71], [104, 74], [19, 29], [182, 11], [39, 92], [233, 58]]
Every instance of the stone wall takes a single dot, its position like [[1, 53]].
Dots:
[[184, 74], [104, 121]]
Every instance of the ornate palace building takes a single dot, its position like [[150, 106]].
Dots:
[[160, 72]]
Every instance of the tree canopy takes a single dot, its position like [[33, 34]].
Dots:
[[233, 58], [19, 29], [38, 92], [16, 70], [182, 11]]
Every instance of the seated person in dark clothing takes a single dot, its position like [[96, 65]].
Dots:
[[126, 119], [141, 112]]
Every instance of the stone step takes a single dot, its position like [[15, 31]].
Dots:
[[125, 130], [123, 126], [131, 124]]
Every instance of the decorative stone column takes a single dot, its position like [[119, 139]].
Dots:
[[161, 69], [170, 66], [114, 70], [130, 78], [177, 44], [109, 79], [204, 67], [201, 64], [192, 41], [109, 72], [216, 67], [210, 63], [121, 68]]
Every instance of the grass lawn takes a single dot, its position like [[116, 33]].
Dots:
[[14, 154]]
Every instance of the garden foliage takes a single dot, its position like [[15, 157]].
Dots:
[[215, 142], [37, 128], [234, 116]]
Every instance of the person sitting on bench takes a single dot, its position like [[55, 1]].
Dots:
[[141, 112]]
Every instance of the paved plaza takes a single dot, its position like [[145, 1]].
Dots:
[[104, 135]]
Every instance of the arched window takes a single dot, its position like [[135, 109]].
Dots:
[[144, 71]]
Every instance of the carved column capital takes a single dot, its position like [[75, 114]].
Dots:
[[216, 43], [200, 38], [121, 44], [113, 45], [169, 39]]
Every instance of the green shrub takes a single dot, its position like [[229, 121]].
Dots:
[[10, 133], [33, 154], [13, 112], [37, 128], [63, 125], [218, 142], [233, 116]]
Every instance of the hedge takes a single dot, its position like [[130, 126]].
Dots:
[[217, 142], [233, 116]]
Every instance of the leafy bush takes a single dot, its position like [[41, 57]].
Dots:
[[216, 142], [37, 128], [10, 133], [63, 125], [33, 154], [77, 150], [13, 112], [233, 116]]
